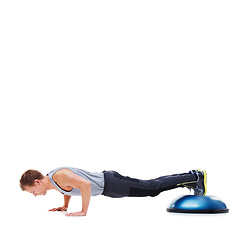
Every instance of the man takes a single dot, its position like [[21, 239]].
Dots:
[[77, 182]]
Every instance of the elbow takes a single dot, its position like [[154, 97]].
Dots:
[[88, 185], [85, 187], [88, 188]]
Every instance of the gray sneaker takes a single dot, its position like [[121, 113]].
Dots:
[[201, 184]]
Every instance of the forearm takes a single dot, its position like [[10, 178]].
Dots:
[[85, 188], [66, 200], [86, 195]]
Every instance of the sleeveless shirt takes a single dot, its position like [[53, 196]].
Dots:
[[96, 180]]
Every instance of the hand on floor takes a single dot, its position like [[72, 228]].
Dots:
[[58, 209], [81, 213]]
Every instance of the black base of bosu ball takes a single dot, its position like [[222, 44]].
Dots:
[[198, 204]]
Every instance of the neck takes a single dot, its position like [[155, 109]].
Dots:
[[48, 183]]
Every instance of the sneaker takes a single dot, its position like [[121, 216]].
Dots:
[[201, 184]]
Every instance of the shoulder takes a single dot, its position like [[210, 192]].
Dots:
[[66, 177], [62, 174]]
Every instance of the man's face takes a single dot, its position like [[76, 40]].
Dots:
[[38, 189]]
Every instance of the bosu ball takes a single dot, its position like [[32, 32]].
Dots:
[[198, 204]]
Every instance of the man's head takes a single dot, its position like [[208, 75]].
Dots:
[[32, 181]]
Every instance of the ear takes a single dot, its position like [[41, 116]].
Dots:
[[37, 181]]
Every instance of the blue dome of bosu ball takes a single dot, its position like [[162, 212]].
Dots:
[[197, 204]]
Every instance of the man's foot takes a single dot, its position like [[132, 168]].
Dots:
[[201, 184]]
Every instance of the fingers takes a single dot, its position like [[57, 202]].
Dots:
[[72, 214], [58, 209], [63, 209], [81, 213], [53, 209], [69, 214]]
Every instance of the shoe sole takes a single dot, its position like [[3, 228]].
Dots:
[[205, 182]]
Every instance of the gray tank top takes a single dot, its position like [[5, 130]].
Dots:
[[96, 180]]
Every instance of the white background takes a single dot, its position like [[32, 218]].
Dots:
[[146, 88]]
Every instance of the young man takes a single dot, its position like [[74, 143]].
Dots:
[[77, 182]]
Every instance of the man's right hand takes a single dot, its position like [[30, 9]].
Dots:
[[58, 209]]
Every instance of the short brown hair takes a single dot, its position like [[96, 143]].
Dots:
[[29, 177]]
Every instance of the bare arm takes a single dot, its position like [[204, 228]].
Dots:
[[66, 200], [68, 178], [86, 195]]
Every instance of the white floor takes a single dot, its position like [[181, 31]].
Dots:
[[119, 218]]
